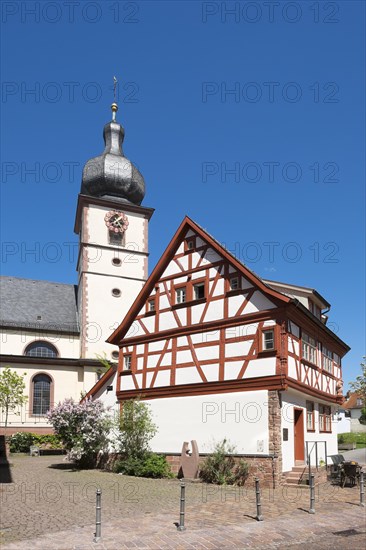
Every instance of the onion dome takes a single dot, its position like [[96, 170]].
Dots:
[[112, 174]]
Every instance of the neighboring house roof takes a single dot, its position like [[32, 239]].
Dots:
[[290, 290], [351, 403], [42, 305]]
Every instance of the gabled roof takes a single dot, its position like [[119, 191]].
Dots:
[[351, 403], [42, 305], [168, 255]]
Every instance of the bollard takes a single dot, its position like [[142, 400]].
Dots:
[[98, 520], [312, 495], [362, 490], [182, 507], [258, 500]]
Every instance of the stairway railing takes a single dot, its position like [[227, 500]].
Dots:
[[314, 449]]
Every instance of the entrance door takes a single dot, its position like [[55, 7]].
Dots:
[[299, 434]]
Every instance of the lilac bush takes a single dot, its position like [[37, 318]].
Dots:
[[83, 428]]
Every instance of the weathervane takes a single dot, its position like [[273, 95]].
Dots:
[[114, 105]]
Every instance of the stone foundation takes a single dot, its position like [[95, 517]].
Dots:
[[262, 466]]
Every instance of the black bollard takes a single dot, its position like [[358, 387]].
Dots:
[[312, 494], [362, 490], [258, 500], [98, 520], [182, 507]]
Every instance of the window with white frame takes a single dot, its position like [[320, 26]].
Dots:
[[151, 304], [327, 359], [127, 361], [41, 349], [268, 339], [310, 424], [309, 348], [41, 394], [180, 295], [325, 418]]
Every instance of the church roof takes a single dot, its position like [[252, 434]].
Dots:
[[111, 174], [41, 305]]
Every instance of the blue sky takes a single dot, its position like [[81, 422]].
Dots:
[[247, 116]]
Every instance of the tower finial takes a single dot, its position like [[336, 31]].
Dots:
[[114, 105]]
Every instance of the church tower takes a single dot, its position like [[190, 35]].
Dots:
[[113, 242]]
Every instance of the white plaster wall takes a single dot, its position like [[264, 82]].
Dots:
[[241, 418], [291, 399], [109, 398], [265, 366], [105, 312], [98, 232], [14, 342], [343, 423]]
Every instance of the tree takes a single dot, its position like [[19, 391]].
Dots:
[[11, 392], [359, 386], [135, 429], [83, 429]]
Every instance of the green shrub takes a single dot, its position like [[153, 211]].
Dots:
[[221, 468], [150, 465], [48, 441], [21, 442], [353, 437], [362, 418]]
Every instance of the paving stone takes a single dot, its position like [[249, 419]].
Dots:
[[51, 506]]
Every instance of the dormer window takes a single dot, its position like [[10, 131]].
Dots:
[[315, 310]]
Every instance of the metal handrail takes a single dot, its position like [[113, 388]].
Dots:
[[308, 454]]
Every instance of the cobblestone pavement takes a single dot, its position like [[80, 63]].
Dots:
[[50, 506]]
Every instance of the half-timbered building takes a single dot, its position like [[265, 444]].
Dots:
[[220, 353]]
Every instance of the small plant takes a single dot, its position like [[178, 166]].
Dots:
[[151, 465], [221, 468]]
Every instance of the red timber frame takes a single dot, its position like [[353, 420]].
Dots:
[[190, 234]]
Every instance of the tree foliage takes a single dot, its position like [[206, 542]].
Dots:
[[83, 429], [359, 385], [135, 429], [12, 396]]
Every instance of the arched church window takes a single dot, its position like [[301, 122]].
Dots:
[[41, 349], [41, 393]]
